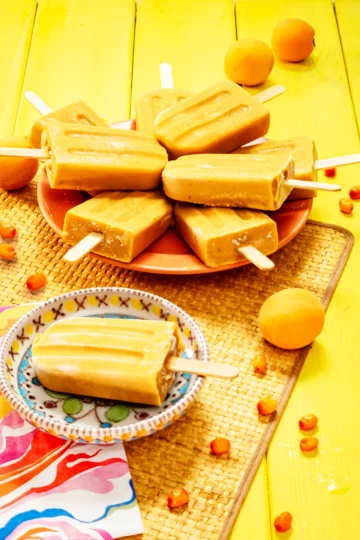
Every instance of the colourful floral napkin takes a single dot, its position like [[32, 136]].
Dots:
[[54, 489]]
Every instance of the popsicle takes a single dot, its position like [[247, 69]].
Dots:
[[100, 158], [117, 359], [222, 236], [115, 224], [216, 120], [303, 151], [150, 104], [76, 113], [259, 181]]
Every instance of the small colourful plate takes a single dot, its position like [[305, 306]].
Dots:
[[169, 254], [85, 419]]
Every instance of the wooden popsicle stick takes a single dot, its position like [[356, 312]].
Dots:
[[166, 75], [37, 103], [270, 93], [337, 161], [320, 186], [257, 258], [35, 153], [204, 369], [83, 247]]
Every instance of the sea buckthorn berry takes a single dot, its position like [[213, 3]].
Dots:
[[178, 498], [308, 444], [355, 193], [267, 406], [330, 172], [36, 281], [283, 522], [308, 422], [346, 206], [7, 252], [6, 231], [259, 364], [219, 446]]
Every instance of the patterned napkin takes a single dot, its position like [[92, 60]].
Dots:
[[54, 489]]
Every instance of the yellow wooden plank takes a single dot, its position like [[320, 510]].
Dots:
[[253, 521], [348, 17], [81, 49], [192, 35], [317, 102], [16, 24]]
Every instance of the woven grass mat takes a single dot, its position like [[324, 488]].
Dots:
[[226, 306]]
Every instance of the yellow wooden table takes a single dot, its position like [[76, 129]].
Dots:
[[92, 50]]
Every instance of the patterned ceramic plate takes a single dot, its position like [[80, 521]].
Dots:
[[82, 418]]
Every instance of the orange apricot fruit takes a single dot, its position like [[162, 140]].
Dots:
[[16, 172], [249, 62], [293, 40]]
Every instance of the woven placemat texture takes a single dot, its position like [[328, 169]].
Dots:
[[226, 306]]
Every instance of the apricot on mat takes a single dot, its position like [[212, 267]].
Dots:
[[249, 62], [291, 318], [293, 40], [16, 172]]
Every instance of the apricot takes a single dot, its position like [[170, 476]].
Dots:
[[291, 318], [249, 62], [293, 40], [15, 172]]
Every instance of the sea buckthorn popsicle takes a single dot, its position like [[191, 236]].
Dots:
[[76, 113], [216, 120], [304, 154], [126, 223], [233, 180], [117, 359], [99, 158], [218, 235]]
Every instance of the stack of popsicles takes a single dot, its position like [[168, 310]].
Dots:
[[194, 144]]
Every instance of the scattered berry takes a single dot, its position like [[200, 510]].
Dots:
[[355, 193], [219, 446], [283, 522], [330, 172], [6, 231], [178, 498], [308, 444], [259, 364], [308, 422], [36, 281], [267, 406], [7, 252], [346, 206]]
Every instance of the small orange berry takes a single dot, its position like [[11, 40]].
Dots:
[[7, 252], [355, 193], [6, 231], [308, 422], [283, 522], [178, 498], [267, 406], [219, 446], [330, 172], [346, 206], [259, 364], [308, 444], [36, 281]]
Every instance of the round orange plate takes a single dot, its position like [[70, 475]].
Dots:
[[169, 254]]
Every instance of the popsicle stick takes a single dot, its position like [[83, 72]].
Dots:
[[35, 153], [83, 248], [166, 75], [255, 256], [37, 103], [270, 93], [204, 369], [320, 186], [336, 161]]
